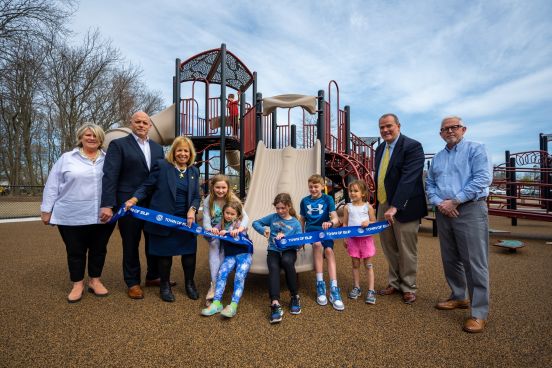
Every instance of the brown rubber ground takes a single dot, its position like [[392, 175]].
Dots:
[[40, 329]]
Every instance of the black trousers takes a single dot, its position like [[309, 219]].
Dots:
[[286, 261], [131, 232], [82, 239], [188, 265]]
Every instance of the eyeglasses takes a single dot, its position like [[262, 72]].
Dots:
[[452, 128]]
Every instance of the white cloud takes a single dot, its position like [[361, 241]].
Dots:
[[487, 61], [524, 92]]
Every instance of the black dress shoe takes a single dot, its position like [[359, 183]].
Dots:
[[165, 292], [157, 282], [191, 290]]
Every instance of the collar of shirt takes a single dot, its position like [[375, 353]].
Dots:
[[140, 140], [76, 152], [391, 147], [392, 144], [456, 147]]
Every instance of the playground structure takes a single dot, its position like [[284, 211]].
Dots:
[[256, 138], [522, 185]]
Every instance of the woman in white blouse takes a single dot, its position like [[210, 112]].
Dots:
[[71, 200]]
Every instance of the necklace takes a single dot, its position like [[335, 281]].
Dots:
[[92, 158], [181, 172]]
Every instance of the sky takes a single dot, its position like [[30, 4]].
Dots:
[[489, 62]]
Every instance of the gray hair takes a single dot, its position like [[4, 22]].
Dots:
[[452, 117]]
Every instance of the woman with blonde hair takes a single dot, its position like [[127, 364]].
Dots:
[[71, 200], [173, 185]]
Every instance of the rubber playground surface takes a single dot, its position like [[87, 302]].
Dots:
[[39, 328]]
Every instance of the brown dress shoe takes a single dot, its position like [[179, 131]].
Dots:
[[157, 283], [451, 304], [135, 292], [474, 325], [388, 290], [409, 297]]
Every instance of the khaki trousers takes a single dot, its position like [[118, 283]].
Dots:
[[400, 246]]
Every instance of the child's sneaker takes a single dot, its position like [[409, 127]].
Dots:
[[276, 313], [335, 298], [214, 308], [230, 310], [371, 297], [355, 293], [295, 305], [321, 293]]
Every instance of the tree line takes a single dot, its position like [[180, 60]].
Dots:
[[51, 83]]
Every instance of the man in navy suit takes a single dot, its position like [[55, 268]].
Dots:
[[127, 165], [401, 200]]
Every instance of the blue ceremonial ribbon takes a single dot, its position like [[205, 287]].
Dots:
[[297, 241], [175, 222]]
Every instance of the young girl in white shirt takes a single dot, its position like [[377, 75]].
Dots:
[[360, 213]]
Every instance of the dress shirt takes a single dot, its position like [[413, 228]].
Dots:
[[74, 189], [462, 173], [391, 148], [145, 147]]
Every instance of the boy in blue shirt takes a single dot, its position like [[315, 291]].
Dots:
[[318, 213]]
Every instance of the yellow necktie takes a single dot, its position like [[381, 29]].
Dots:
[[382, 196]]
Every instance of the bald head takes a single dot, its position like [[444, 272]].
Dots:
[[140, 124]]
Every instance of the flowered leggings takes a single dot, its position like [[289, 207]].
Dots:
[[242, 262]]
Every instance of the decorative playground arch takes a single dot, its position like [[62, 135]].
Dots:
[[522, 186]]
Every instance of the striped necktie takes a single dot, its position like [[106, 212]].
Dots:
[[382, 195]]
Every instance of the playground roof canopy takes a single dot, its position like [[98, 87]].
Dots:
[[206, 66]]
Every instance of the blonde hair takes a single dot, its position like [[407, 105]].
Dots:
[[317, 179], [96, 130], [361, 184], [285, 199], [230, 196], [180, 141]]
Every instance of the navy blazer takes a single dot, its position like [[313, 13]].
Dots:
[[125, 168], [404, 179], [161, 185]]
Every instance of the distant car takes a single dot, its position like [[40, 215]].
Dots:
[[497, 191], [529, 191]]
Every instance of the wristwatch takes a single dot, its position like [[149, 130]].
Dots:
[[193, 208]]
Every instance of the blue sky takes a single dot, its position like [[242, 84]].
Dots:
[[487, 61]]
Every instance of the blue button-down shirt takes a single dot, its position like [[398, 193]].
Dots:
[[463, 173]]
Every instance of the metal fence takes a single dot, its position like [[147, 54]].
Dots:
[[20, 201], [23, 201]]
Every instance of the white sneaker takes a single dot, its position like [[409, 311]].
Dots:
[[321, 293], [335, 298]]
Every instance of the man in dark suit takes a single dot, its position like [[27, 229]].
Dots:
[[127, 165], [400, 200]]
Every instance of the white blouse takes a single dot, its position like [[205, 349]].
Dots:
[[74, 189]]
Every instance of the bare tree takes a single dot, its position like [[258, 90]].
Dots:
[[75, 77], [49, 87], [19, 86], [31, 19]]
